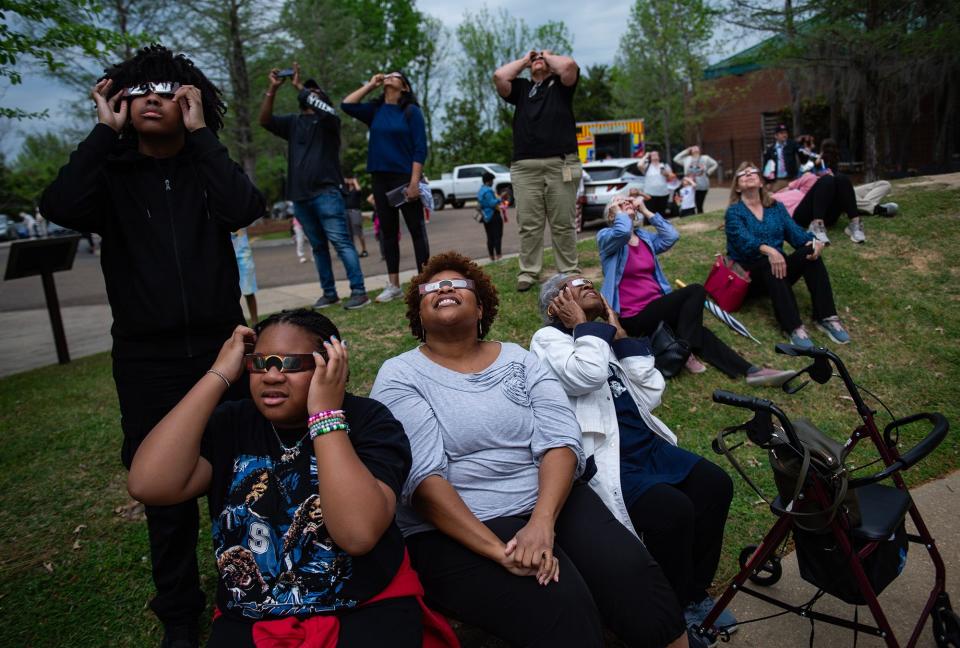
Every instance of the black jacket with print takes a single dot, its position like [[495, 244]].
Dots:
[[167, 259]]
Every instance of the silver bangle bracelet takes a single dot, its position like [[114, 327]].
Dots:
[[220, 376]]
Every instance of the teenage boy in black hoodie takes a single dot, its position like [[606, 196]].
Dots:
[[155, 183]]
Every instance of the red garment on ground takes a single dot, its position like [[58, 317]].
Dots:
[[323, 630]]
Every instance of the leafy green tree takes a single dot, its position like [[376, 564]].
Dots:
[[594, 98], [35, 167], [661, 61], [40, 32]]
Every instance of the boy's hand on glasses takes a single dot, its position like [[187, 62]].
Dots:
[[329, 380], [115, 119], [229, 361], [191, 107]]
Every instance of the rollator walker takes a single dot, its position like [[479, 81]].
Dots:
[[849, 532]]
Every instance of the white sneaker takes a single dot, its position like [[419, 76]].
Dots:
[[855, 231], [819, 232], [887, 209], [389, 293]]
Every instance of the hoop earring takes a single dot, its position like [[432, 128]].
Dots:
[[479, 329], [423, 333]]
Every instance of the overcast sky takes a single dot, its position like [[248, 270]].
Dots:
[[596, 30]]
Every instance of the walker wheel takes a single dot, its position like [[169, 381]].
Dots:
[[946, 624], [768, 573]]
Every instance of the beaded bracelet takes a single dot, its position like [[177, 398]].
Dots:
[[327, 420], [324, 414], [320, 430]]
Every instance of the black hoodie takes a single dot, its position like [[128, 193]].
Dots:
[[166, 255]]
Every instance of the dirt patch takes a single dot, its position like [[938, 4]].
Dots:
[[923, 260], [696, 227], [942, 181]]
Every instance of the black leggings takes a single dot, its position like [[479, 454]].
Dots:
[[780, 291], [682, 526], [829, 197], [699, 195], [494, 229], [606, 577], [390, 221], [682, 310], [658, 205], [393, 622]]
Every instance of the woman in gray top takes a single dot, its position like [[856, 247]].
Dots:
[[501, 535]]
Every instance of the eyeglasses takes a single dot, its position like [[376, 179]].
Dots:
[[445, 283], [165, 89], [747, 172], [576, 283], [292, 363]]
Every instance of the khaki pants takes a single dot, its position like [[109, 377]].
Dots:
[[869, 195], [543, 195]]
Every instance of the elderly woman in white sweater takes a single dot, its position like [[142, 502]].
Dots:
[[677, 500], [698, 166]]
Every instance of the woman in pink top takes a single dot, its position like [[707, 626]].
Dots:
[[816, 202], [637, 290]]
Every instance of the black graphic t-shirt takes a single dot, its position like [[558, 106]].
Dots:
[[543, 122], [274, 554]]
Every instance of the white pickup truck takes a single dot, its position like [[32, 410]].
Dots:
[[464, 183]]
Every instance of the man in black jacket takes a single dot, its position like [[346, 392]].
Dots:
[[314, 182], [784, 154], [157, 185]]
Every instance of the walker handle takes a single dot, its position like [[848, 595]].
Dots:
[[725, 397], [923, 448]]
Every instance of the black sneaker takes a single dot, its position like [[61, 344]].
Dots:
[[698, 640], [325, 301], [356, 301]]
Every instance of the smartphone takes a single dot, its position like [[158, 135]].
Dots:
[[286, 73]]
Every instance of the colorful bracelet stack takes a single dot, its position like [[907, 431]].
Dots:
[[327, 421]]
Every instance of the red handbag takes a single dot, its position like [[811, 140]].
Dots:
[[727, 283]]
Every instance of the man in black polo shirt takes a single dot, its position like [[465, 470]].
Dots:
[[314, 182], [546, 169]]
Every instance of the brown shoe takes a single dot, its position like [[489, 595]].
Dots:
[[524, 285]]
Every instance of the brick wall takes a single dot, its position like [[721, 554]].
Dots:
[[732, 131]]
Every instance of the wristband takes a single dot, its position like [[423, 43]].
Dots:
[[220, 376]]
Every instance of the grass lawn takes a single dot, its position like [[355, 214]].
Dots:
[[75, 572]]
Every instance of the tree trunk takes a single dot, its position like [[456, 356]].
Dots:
[[792, 73], [871, 125], [835, 110], [240, 84]]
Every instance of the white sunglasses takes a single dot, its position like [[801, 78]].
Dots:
[[445, 283]]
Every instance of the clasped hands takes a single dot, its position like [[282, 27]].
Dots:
[[530, 552]]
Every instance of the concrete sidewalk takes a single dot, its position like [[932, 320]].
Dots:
[[27, 340], [902, 601]]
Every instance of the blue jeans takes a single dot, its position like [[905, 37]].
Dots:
[[324, 218]]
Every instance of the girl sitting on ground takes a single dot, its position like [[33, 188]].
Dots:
[[302, 482]]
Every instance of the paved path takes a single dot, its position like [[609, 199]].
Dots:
[[26, 340]]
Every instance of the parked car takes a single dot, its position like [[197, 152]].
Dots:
[[607, 179], [7, 229], [464, 182], [282, 209]]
